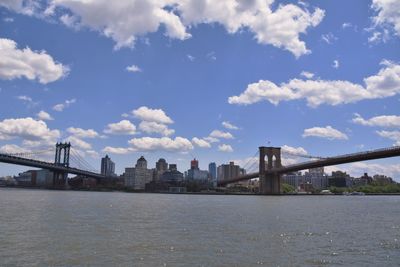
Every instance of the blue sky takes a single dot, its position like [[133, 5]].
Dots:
[[184, 79]]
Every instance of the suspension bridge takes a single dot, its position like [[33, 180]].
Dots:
[[270, 168], [66, 161]]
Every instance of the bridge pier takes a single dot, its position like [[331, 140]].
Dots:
[[60, 179], [270, 183]]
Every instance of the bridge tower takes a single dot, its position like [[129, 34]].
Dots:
[[62, 159], [270, 183]]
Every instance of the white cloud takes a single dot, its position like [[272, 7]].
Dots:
[[388, 13], [211, 139], [229, 125], [43, 115], [347, 25], [190, 57], [329, 38], [201, 142], [154, 127], [380, 121], [179, 144], [225, 148], [306, 74], [31, 131], [221, 134], [118, 150], [122, 127], [155, 115], [62, 106], [385, 83], [335, 64], [17, 63], [299, 151], [126, 20], [79, 143], [392, 135], [25, 98], [133, 68], [325, 132], [82, 133], [12, 149]]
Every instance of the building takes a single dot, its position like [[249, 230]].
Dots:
[[107, 166], [40, 178], [161, 167], [171, 176], [194, 164], [228, 171], [317, 178], [340, 179], [137, 178], [212, 169], [295, 179]]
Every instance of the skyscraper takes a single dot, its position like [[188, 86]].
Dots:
[[107, 166], [194, 164], [139, 176], [212, 169], [161, 167]]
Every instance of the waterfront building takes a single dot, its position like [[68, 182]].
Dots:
[[107, 166], [194, 173], [194, 164], [317, 178], [295, 179], [161, 167], [171, 176], [340, 179], [139, 176], [228, 171], [212, 169], [173, 167]]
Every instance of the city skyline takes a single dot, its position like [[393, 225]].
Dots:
[[181, 85]]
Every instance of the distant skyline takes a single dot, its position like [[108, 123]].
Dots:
[[211, 80]]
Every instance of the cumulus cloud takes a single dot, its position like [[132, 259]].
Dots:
[[221, 134], [126, 20], [133, 68], [229, 125], [32, 132], [154, 127], [335, 64], [156, 115], [179, 144], [43, 115], [118, 150], [122, 127], [385, 83], [389, 121], [12, 149], [82, 133], [62, 106], [79, 143], [392, 135], [388, 14], [17, 63], [325, 132], [294, 151], [306, 74], [201, 142], [225, 148]]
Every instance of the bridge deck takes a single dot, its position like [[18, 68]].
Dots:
[[342, 159], [46, 165]]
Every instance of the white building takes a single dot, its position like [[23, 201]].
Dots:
[[138, 177]]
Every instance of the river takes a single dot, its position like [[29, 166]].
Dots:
[[70, 228]]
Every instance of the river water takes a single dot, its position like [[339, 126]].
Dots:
[[67, 228]]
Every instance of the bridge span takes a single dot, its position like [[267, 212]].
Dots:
[[60, 167], [271, 170]]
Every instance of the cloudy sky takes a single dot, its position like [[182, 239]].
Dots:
[[194, 78]]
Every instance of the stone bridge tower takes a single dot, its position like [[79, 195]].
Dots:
[[270, 183]]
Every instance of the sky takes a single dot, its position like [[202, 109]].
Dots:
[[211, 80]]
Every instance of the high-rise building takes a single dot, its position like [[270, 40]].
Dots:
[[161, 167], [212, 169], [228, 171], [172, 167], [194, 164], [107, 166], [138, 177]]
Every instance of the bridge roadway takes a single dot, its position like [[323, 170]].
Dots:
[[46, 165], [347, 158]]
